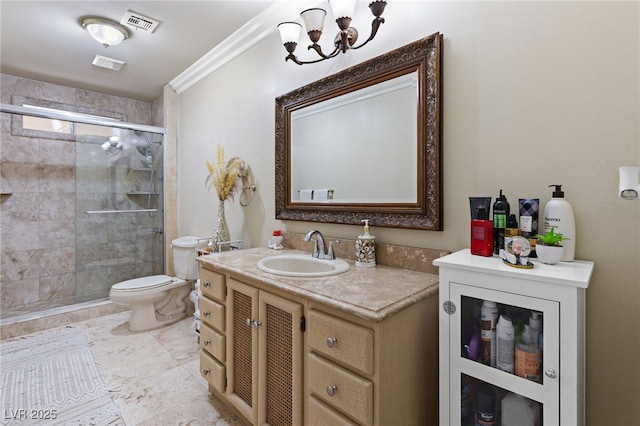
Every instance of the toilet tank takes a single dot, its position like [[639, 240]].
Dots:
[[184, 256]]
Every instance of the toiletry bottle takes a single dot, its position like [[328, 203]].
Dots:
[[481, 233], [488, 320], [500, 215], [512, 229], [366, 248], [527, 356], [516, 410], [558, 214], [485, 399], [535, 324], [505, 344]]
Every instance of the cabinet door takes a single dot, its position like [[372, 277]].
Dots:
[[242, 348], [543, 392], [280, 365]]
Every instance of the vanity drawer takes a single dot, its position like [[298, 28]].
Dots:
[[212, 342], [323, 415], [212, 371], [341, 340], [212, 284], [341, 388], [212, 313]]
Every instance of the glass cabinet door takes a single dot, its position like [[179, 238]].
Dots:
[[505, 357]]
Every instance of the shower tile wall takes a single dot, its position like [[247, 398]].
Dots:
[[38, 217]]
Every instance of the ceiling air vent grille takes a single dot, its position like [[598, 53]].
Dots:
[[139, 21], [109, 63]]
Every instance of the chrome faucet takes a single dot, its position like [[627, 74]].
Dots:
[[318, 245]]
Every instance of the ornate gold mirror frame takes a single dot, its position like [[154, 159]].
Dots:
[[423, 57]]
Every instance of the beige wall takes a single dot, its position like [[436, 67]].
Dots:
[[535, 93]]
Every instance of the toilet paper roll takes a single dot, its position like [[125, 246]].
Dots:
[[306, 194]]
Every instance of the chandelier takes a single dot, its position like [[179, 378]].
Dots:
[[314, 21]]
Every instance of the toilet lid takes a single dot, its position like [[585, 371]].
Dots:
[[152, 281]]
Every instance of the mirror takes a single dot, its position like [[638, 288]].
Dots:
[[365, 143]]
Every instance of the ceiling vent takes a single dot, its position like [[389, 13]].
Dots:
[[109, 63], [139, 21]]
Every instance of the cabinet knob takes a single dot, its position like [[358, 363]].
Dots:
[[206, 314], [206, 371], [248, 321], [207, 342], [551, 373], [331, 390], [331, 341], [206, 283]]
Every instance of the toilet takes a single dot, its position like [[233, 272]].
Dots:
[[159, 300]]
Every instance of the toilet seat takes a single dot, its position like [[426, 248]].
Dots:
[[144, 283]]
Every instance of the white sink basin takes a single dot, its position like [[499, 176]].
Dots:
[[302, 265]]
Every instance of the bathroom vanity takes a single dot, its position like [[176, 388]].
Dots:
[[355, 348]]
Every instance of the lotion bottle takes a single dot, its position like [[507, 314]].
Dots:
[[366, 247], [558, 214]]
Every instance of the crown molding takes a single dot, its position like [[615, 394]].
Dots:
[[258, 28]]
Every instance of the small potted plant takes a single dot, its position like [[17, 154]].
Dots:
[[548, 249]]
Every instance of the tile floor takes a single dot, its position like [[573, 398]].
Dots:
[[154, 375]]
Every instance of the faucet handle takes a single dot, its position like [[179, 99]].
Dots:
[[330, 254]]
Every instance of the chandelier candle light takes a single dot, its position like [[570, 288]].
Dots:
[[224, 178], [314, 21]]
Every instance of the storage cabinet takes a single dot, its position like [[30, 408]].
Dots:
[[554, 391], [212, 330], [291, 351], [265, 355]]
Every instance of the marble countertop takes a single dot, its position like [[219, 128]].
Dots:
[[370, 293]]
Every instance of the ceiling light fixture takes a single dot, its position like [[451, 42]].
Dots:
[[104, 31], [314, 20]]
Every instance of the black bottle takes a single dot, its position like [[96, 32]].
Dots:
[[501, 212]]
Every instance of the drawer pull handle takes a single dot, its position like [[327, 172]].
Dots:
[[207, 342], [206, 314], [551, 373], [206, 283], [331, 341], [331, 390], [206, 371]]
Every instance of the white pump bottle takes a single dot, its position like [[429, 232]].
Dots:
[[558, 215]]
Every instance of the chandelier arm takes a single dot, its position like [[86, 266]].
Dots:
[[318, 49], [375, 24], [299, 62]]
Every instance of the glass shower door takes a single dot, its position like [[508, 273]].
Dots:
[[119, 210]]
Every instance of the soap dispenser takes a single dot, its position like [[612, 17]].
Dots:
[[366, 247]]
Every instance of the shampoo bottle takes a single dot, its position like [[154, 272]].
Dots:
[[500, 215], [558, 214], [366, 247]]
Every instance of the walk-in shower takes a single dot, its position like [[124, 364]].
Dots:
[[80, 210]]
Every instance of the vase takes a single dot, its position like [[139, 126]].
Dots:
[[549, 254], [220, 239]]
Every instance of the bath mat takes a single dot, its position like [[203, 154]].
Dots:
[[52, 378]]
